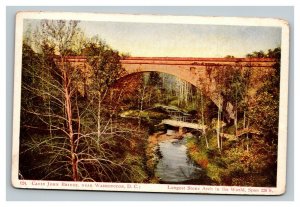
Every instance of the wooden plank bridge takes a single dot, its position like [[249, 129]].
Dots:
[[182, 124]]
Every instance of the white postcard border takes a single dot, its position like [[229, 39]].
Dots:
[[160, 19]]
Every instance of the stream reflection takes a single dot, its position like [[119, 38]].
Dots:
[[175, 166]]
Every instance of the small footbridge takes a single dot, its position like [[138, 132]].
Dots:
[[182, 124]]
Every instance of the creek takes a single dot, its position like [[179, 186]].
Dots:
[[174, 164]]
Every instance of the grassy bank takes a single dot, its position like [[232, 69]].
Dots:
[[234, 164], [206, 159]]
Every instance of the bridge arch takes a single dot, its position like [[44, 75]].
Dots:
[[185, 74], [173, 73], [185, 70], [186, 79], [196, 71]]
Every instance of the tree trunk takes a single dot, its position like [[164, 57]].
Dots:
[[49, 102], [236, 112], [247, 136], [218, 122], [244, 122], [221, 130], [202, 120], [141, 105], [99, 117], [68, 108]]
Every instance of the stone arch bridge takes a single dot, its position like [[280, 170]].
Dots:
[[200, 72]]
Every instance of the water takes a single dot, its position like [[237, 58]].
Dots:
[[175, 166]]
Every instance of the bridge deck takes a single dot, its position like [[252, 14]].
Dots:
[[176, 123], [260, 62]]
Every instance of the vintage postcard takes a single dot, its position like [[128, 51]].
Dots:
[[178, 104]]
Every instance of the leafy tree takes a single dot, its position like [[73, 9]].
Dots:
[[155, 79], [60, 105], [266, 111]]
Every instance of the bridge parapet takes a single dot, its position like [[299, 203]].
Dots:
[[244, 62], [252, 62]]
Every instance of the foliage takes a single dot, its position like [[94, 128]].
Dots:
[[198, 156], [144, 114], [155, 79], [250, 159], [62, 102], [105, 63]]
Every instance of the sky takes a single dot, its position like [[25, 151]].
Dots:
[[183, 40]]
